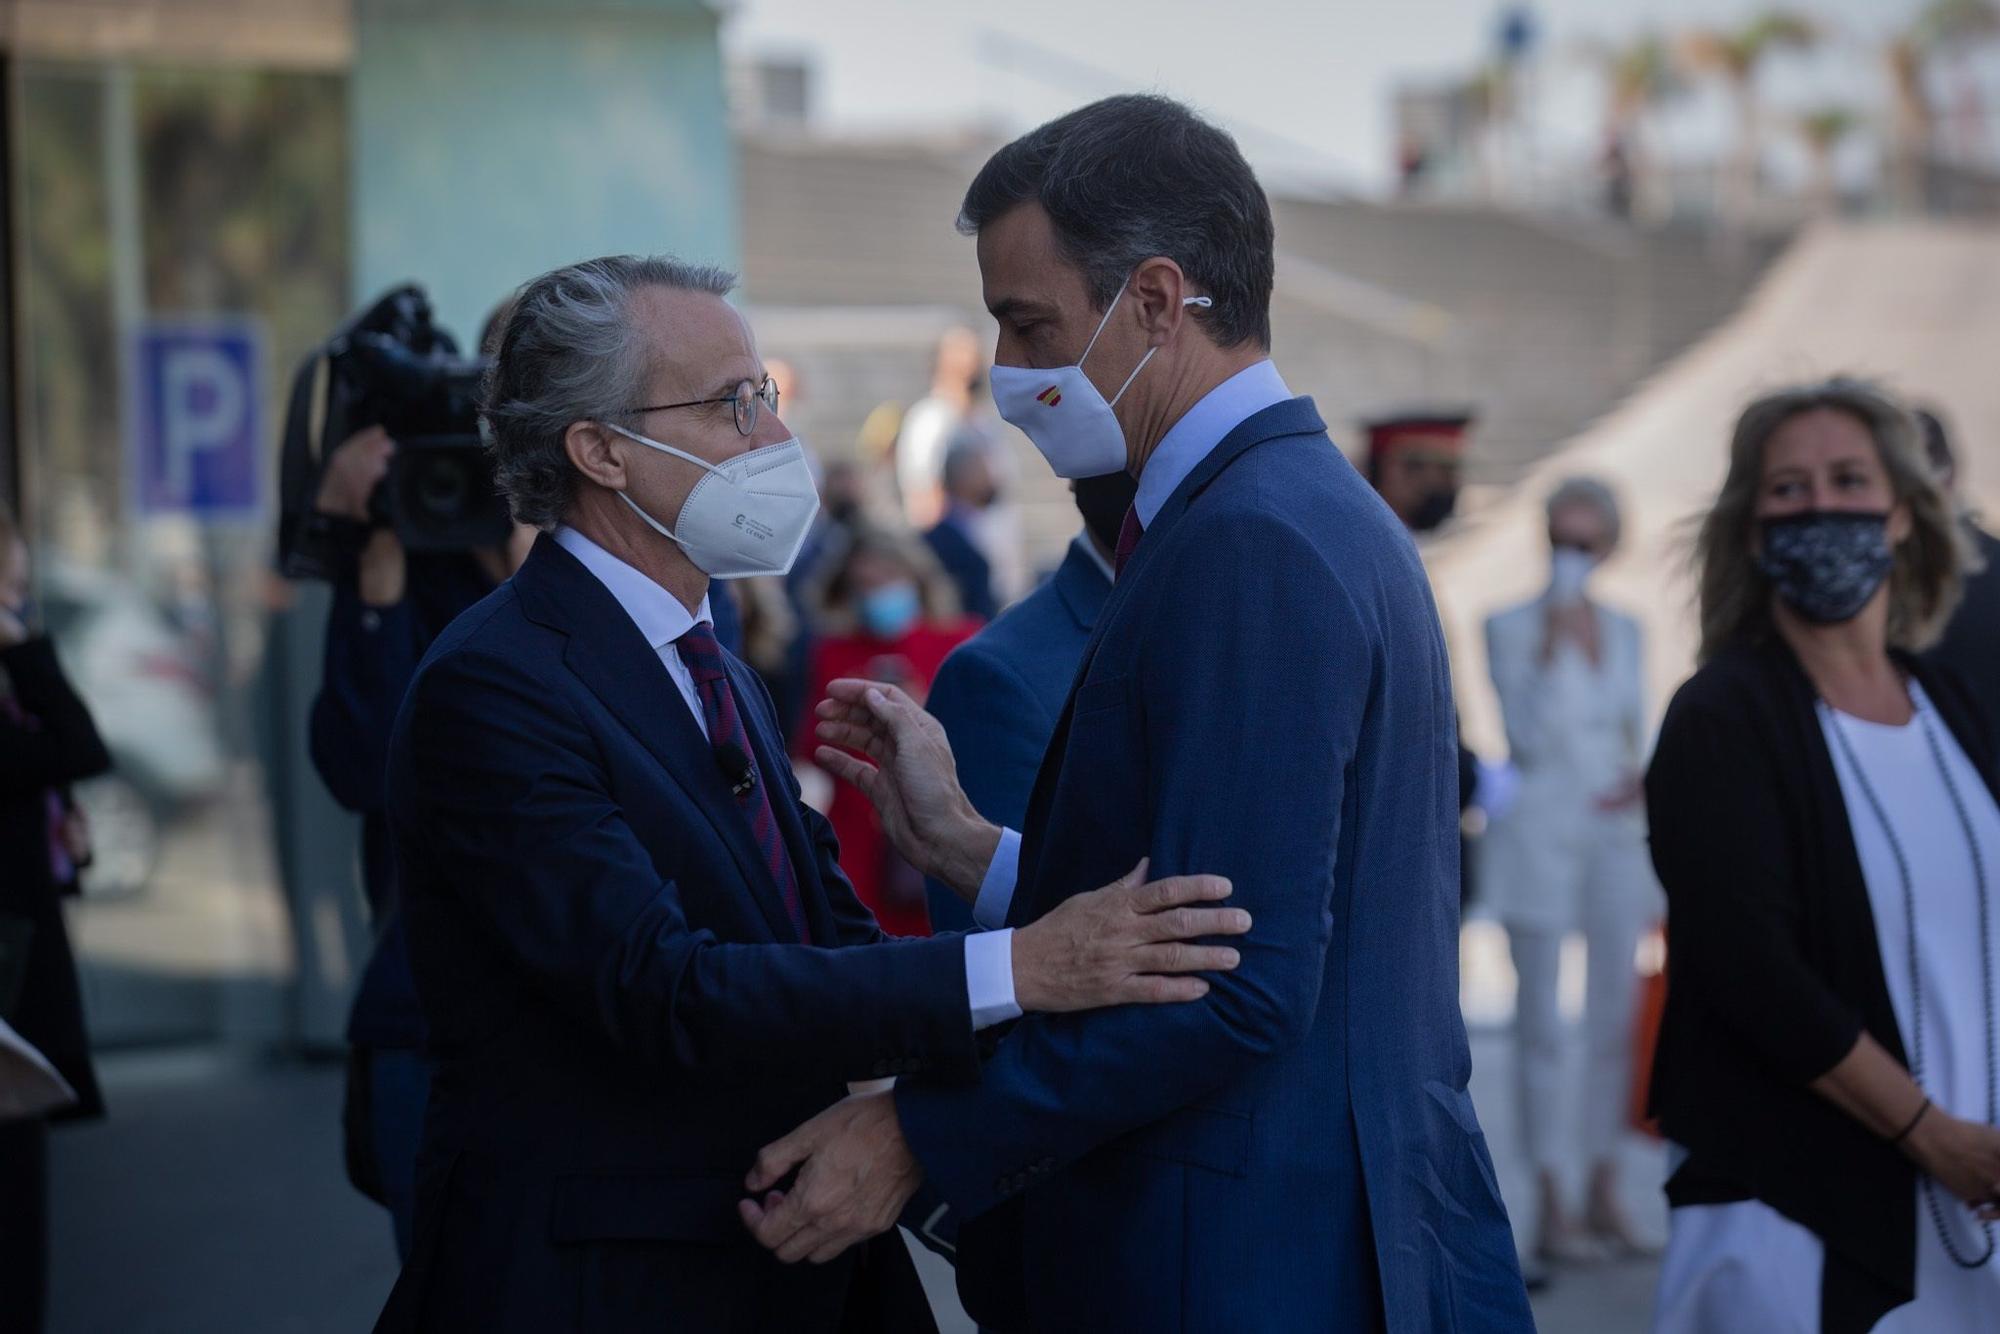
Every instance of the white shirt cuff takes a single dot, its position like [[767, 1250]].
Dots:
[[989, 977], [996, 891]]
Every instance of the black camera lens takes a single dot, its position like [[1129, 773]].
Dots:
[[442, 488]]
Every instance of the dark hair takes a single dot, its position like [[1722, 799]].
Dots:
[[1138, 176]]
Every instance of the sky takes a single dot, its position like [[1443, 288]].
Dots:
[[1304, 84]]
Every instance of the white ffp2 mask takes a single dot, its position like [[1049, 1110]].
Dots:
[[747, 516], [1062, 412]]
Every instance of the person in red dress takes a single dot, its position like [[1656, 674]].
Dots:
[[885, 612]]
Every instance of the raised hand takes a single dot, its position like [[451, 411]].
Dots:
[[910, 778], [352, 472]]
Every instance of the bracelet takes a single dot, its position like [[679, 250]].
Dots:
[[1905, 1132]]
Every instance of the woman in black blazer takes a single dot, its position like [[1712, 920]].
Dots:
[[47, 741], [1824, 822]]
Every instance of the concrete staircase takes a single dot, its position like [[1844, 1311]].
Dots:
[[852, 267]]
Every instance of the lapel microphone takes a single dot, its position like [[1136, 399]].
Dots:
[[736, 768]]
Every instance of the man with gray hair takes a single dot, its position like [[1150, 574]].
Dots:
[[633, 942]]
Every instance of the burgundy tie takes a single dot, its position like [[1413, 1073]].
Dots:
[[1129, 533], [703, 657]]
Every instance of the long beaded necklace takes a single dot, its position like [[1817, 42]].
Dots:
[[1916, 978]]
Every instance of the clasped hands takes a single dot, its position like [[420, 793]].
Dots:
[[1130, 942]]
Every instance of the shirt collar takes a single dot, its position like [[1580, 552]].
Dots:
[[1201, 428], [660, 616]]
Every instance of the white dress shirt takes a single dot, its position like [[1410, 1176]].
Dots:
[[1186, 443], [662, 618]]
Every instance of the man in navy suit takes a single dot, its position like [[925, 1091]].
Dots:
[[634, 948], [1265, 695], [999, 694], [968, 489]]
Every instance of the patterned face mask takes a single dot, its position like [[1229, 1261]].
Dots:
[[1826, 564]]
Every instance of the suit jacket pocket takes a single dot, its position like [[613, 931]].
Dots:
[[1210, 1137], [639, 1207]]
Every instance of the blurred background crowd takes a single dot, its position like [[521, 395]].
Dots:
[[1533, 261]]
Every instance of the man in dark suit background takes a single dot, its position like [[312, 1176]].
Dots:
[[1971, 643], [969, 489], [634, 948], [999, 694], [387, 607], [1265, 695]]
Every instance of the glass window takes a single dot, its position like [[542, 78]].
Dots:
[[146, 196]]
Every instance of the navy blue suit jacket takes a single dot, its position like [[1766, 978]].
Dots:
[[971, 573], [999, 695], [1266, 698], [620, 1012]]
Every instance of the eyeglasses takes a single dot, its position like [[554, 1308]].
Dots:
[[745, 402]]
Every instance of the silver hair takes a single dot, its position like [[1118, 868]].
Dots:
[[1588, 491], [570, 352]]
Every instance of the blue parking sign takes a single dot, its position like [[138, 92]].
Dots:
[[194, 430]]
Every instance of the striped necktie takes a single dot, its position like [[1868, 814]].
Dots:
[[703, 656]]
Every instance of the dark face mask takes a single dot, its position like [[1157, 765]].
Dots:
[[1826, 564], [1103, 502], [1433, 510]]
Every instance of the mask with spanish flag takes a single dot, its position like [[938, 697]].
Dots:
[[1063, 413]]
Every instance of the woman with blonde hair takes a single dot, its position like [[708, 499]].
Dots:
[[1823, 816]]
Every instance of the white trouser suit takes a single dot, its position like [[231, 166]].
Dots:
[[1554, 863]]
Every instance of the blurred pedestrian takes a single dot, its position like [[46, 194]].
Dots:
[[1414, 462], [1823, 819], [932, 422], [47, 741], [969, 491], [1570, 855], [883, 612], [1000, 693], [388, 606], [1971, 643]]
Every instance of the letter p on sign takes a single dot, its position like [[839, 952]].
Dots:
[[194, 438]]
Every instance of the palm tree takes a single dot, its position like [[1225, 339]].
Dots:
[[1913, 126], [1736, 56], [1824, 129], [1639, 77], [1951, 28]]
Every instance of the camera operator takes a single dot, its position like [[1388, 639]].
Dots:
[[388, 604]]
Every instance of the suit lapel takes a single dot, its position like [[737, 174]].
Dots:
[[609, 655], [1295, 416]]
